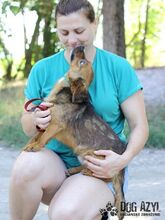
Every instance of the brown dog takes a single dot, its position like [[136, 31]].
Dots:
[[75, 123]]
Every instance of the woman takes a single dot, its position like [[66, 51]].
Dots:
[[116, 95]]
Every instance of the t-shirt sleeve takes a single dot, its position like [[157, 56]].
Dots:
[[33, 87], [128, 82]]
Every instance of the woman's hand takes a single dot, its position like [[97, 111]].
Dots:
[[42, 118], [105, 168]]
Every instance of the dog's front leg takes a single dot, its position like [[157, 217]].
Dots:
[[42, 138], [51, 131], [32, 145]]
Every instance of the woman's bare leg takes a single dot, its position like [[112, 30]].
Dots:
[[35, 177], [80, 197]]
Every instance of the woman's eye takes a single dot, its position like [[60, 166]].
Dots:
[[82, 62], [79, 31], [64, 33]]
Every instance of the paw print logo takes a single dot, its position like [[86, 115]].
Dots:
[[109, 211], [109, 206], [104, 214], [113, 211]]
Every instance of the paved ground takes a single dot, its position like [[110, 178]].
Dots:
[[147, 182]]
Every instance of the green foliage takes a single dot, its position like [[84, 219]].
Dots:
[[11, 107], [156, 121], [44, 29], [135, 24]]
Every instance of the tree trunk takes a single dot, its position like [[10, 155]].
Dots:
[[24, 30], [8, 75], [113, 26], [47, 50], [143, 46], [8, 59], [29, 51]]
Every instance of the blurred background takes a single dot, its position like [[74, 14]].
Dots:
[[134, 29]]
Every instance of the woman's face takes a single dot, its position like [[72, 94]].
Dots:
[[75, 29]]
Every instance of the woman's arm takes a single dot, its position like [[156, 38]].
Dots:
[[135, 114], [29, 120], [134, 111]]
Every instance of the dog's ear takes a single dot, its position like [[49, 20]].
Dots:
[[63, 96], [64, 90]]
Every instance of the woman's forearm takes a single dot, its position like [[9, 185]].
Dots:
[[28, 125], [137, 140], [135, 114], [38, 118]]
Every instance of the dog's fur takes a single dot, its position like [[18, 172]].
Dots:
[[75, 123]]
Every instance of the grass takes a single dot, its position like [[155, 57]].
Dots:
[[12, 99], [156, 120], [11, 107]]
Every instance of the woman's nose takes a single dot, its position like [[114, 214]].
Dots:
[[72, 40]]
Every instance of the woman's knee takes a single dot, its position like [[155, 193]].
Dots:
[[43, 167], [26, 168]]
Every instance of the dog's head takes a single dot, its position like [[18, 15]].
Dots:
[[80, 75]]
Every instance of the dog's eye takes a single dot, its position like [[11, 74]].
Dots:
[[82, 62]]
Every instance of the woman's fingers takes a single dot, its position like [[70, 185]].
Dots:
[[42, 118], [94, 160], [42, 114], [47, 104], [92, 167]]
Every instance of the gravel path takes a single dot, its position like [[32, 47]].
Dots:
[[147, 181]]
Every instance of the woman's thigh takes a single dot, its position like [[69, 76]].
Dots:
[[44, 169], [80, 197]]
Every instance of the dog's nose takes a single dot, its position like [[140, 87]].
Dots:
[[79, 49]]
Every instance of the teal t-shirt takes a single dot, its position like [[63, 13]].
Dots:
[[114, 81]]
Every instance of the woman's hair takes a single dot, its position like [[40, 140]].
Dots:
[[66, 7]]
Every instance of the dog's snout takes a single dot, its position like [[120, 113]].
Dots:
[[77, 51], [81, 48]]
